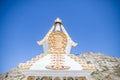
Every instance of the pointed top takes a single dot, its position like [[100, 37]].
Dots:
[[58, 20]]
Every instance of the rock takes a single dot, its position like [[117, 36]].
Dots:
[[107, 68], [14, 74]]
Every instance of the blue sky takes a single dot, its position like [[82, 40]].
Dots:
[[93, 24]]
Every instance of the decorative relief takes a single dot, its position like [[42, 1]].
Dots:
[[57, 62], [57, 42]]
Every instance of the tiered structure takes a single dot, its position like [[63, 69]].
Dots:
[[56, 63]]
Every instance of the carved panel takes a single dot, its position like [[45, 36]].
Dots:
[[57, 42]]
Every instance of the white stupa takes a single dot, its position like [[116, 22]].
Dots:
[[56, 63]]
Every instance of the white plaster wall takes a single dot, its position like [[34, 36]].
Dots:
[[45, 46], [68, 47], [43, 62]]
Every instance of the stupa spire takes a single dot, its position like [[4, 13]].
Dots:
[[58, 20], [57, 24], [57, 27]]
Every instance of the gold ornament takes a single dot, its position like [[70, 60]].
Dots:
[[57, 42]]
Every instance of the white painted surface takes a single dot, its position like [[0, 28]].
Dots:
[[54, 73], [45, 46], [43, 62], [57, 27], [68, 47]]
